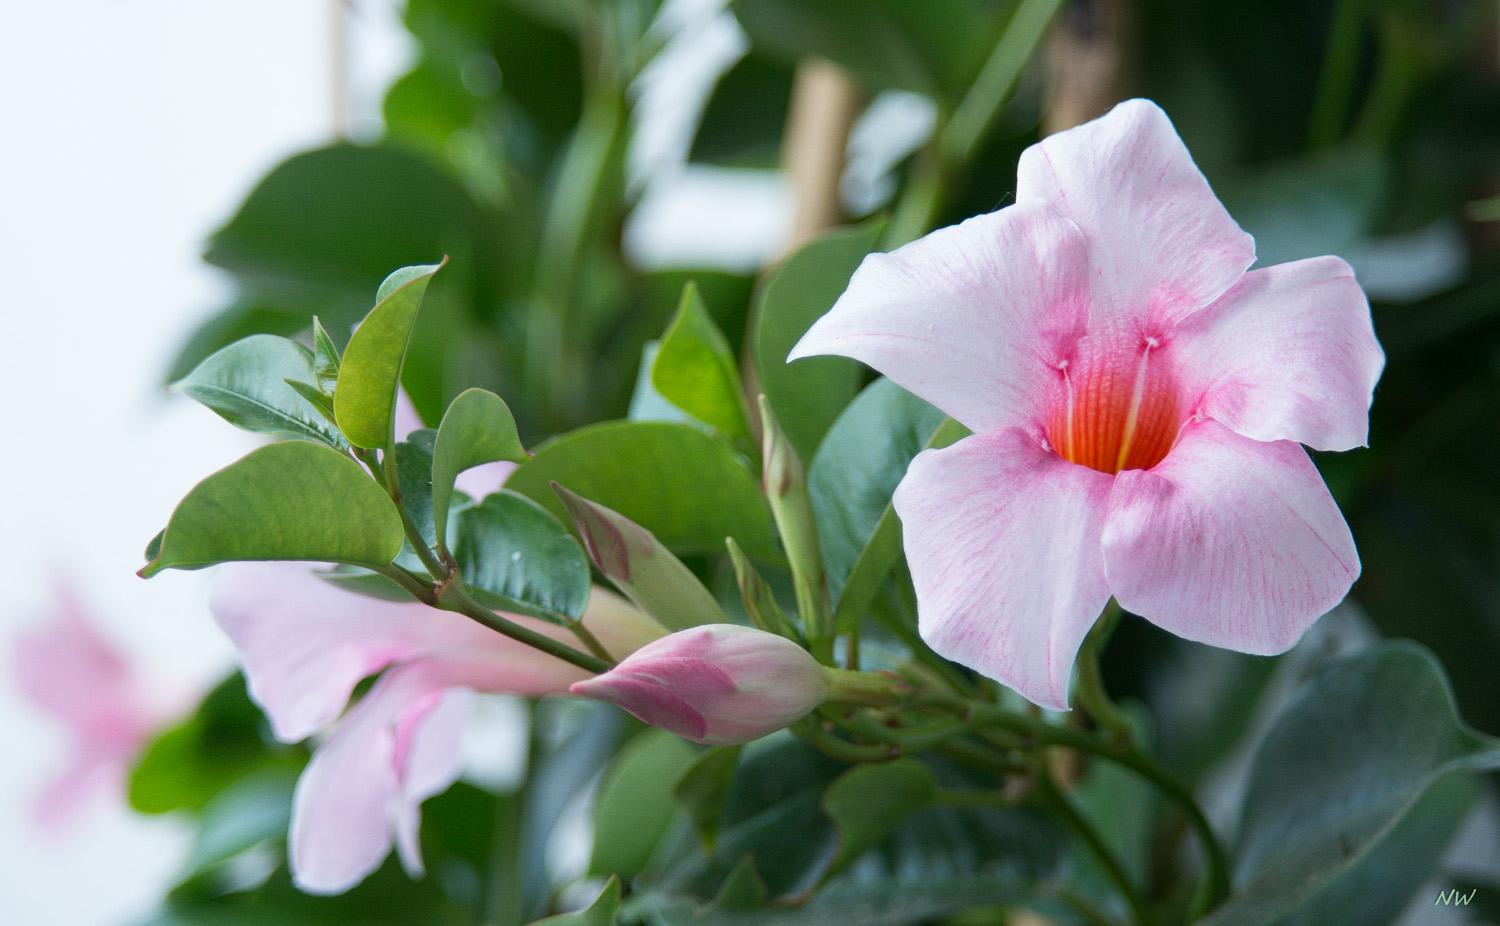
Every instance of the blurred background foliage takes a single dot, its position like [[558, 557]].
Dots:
[[1364, 128]]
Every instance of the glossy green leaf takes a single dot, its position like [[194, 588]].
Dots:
[[322, 403], [325, 358], [514, 549], [245, 384], [685, 487], [695, 370], [601, 912], [703, 788], [633, 806], [858, 468], [477, 428], [365, 400], [935, 862], [1342, 767], [292, 500], [190, 764], [867, 802], [883, 548], [808, 395], [414, 473]]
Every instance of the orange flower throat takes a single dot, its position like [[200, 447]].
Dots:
[[1115, 410]]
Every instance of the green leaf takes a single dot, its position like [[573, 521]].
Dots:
[[867, 802], [189, 765], [414, 473], [601, 912], [695, 370], [291, 500], [858, 467], [883, 548], [937, 861], [323, 403], [477, 428], [325, 358], [245, 384], [743, 888], [646, 404], [365, 399], [1339, 771], [253, 810], [514, 549], [936, 47], [633, 806], [685, 487], [808, 395], [703, 788]]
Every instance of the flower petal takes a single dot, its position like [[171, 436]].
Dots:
[[1228, 541], [428, 758], [1161, 246], [306, 643], [1003, 541], [1287, 354], [973, 318]]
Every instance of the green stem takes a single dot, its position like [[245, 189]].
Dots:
[[414, 586], [976, 112], [1055, 800], [588, 639], [917, 210], [1395, 78], [810, 729], [1336, 79], [452, 597], [1091, 694], [1131, 758]]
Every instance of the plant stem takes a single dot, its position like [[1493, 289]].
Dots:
[[1336, 79], [588, 639], [1091, 694], [1131, 758], [452, 597], [1055, 800], [976, 112]]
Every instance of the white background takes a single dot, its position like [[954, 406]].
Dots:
[[129, 130]]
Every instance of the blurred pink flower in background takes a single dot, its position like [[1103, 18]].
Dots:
[[305, 644], [1138, 402], [69, 670]]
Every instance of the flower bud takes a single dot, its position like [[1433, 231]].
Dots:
[[636, 562], [718, 684]]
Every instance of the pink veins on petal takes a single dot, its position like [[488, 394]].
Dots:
[[1138, 402]]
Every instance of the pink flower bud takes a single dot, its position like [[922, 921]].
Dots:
[[718, 684]]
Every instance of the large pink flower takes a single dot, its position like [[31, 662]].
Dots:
[[1138, 402], [305, 644]]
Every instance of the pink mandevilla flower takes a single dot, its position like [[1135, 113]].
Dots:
[[719, 684], [1138, 402], [68, 669], [305, 644]]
